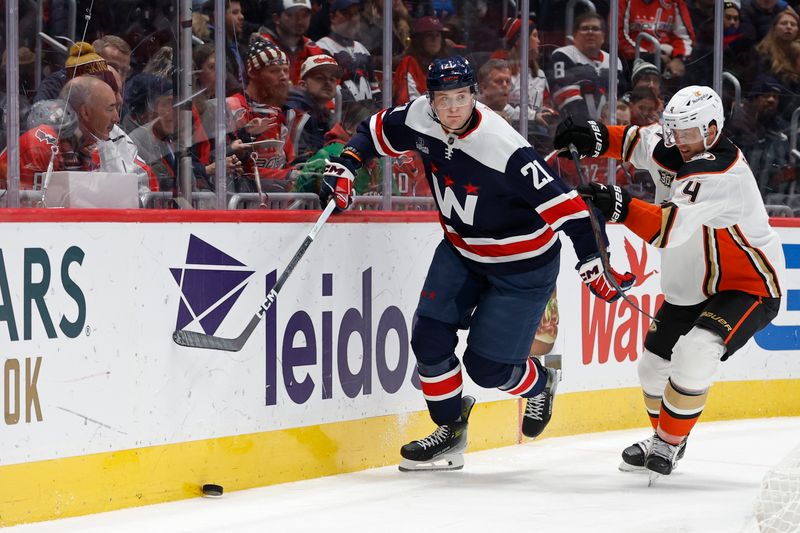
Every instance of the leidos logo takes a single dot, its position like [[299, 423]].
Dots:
[[36, 284], [211, 281], [617, 327]]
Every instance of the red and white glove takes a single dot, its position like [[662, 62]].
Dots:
[[337, 181], [594, 276]]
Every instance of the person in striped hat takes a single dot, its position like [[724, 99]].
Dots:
[[261, 129]]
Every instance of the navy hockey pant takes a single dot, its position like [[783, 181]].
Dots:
[[501, 313]]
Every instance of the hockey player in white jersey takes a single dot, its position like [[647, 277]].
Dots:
[[721, 261], [493, 273]]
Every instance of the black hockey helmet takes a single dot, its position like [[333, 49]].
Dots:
[[451, 73]]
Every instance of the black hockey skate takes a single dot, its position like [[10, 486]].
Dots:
[[663, 456], [539, 409], [633, 457], [441, 450]]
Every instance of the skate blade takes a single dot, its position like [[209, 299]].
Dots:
[[625, 467], [449, 462], [651, 481]]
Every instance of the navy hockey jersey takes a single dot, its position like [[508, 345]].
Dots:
[[499, 203]]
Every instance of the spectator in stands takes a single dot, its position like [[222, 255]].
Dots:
[[320, 19], [775, 55], [155, 140], [236, 41], [358, 81], [494, 87], [260, 132], [291, 20], [141, 92], [82, 59], [645, 74], [371, 32], [26, 72], [759, 131], [538, 91], [310, 177], [95, 105], [117, 53], [645, 106], [42, 126], [667, 20], [739, 57], [411, 74], [320, 76], [758, 16], [623, 114], [580, 71]]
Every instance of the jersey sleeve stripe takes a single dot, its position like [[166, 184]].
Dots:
[[621, 141], [562, 208], [631, 139], [669, 212], [566, 95], [379, 139]]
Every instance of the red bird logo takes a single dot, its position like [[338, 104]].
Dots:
[[638, 262]]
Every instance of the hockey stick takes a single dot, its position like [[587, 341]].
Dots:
[[192, 339], [598, 236]]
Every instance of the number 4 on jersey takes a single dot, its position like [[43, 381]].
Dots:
[[538, 173], [691, 189]]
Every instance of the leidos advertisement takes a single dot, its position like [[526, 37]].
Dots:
[[87, 312]]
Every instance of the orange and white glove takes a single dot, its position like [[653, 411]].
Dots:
[[337, 182], [594, 276]]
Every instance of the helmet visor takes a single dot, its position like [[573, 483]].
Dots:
[[673, 136], [447, 100]]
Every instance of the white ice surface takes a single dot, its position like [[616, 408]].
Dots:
[[558, 485]]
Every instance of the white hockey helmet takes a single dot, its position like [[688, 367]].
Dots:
[[693, 107]]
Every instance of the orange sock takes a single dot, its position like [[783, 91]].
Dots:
[[679, 412]]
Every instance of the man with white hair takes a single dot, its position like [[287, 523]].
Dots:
[[722, 264], [102, 145]]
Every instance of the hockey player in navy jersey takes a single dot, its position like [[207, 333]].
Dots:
[[500, 207], [721, 262]]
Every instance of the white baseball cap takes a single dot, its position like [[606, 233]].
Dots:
[[288, 4], [320, 61]]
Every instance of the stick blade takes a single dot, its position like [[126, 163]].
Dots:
[[193, 339]]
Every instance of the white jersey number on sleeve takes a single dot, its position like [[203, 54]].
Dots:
[[538, 173]]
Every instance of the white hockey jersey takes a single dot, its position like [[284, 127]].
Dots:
[[712, 227]]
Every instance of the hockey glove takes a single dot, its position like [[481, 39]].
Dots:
[[611, 200], [337, 182], [594, 276], [589, 137]]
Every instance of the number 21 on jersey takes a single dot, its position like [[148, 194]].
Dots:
[[538, 173]]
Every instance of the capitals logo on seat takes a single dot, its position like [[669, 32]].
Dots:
[[210, 282]]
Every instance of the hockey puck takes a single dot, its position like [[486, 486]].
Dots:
[[209, 489]]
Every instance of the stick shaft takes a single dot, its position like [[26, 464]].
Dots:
[[598, 236], [193, 339]]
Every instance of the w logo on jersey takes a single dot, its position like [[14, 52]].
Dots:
[[449, 202], [45, 137]]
